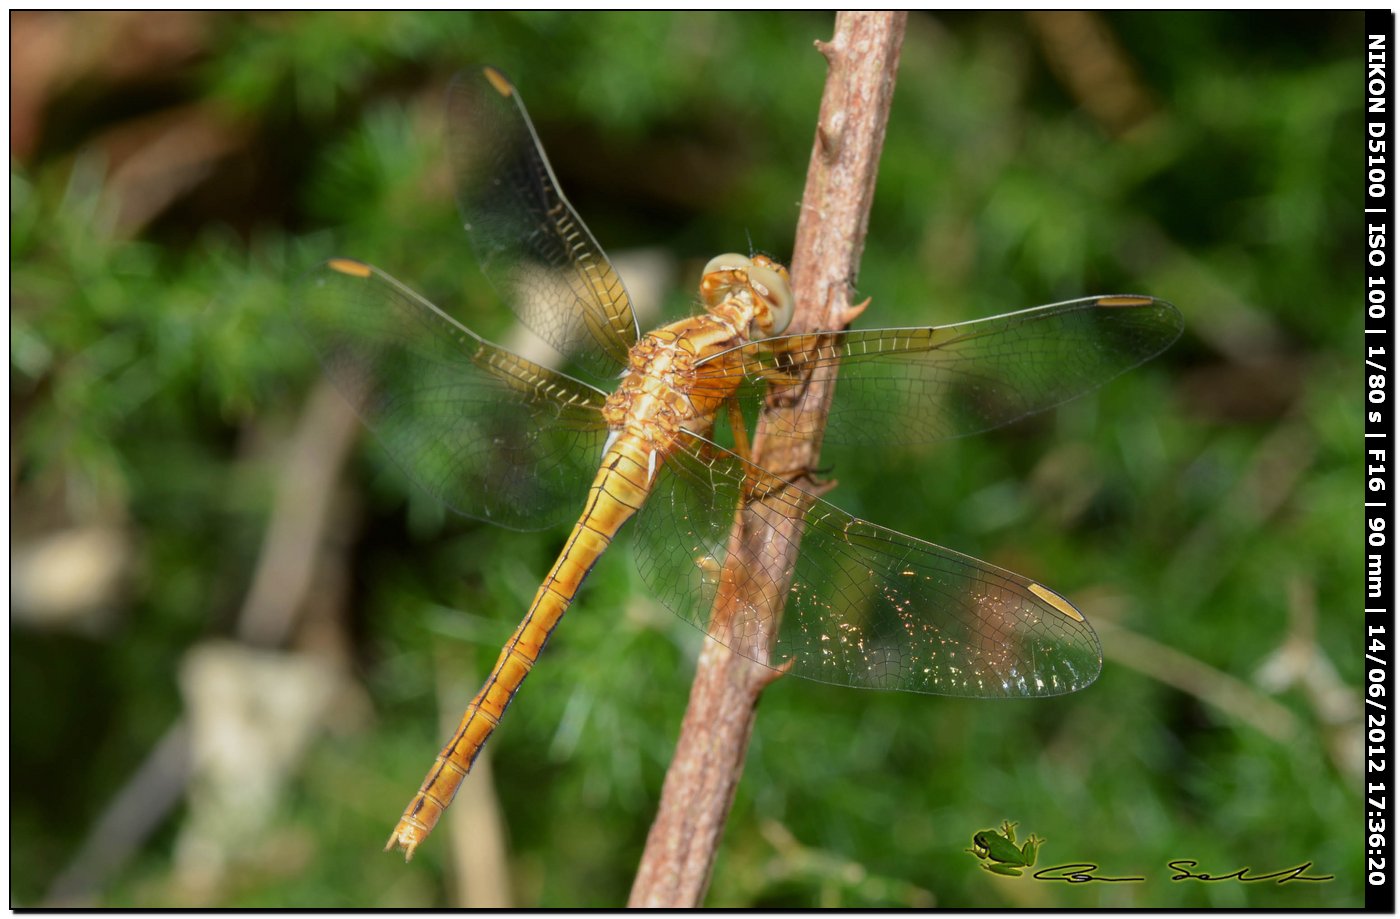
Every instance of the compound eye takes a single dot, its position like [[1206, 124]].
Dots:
[[729, 261], [777, 294]]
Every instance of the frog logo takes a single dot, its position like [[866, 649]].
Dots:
[[998, 852]]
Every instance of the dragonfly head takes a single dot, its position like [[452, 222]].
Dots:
[[766, 282]]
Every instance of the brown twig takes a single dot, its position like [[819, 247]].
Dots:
[[862, 57], [302, 512]]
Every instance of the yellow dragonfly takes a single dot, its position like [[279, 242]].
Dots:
[[503, 439]]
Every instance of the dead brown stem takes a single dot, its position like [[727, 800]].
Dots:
[[862, 57]]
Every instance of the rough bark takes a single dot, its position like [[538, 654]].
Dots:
[[862, 57]]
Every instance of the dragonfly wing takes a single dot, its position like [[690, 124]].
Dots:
[[921, 385], [492, 435], [529, 240], [863, 605]]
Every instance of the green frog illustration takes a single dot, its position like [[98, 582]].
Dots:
[[999, 853]]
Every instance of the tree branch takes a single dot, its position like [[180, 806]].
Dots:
[[862, 57]]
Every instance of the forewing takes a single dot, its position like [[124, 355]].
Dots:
[[492, 435], [920, 385], [863, 605], [530, 242]]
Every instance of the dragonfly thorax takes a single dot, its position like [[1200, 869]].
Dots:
[[656, 396], [677, 377]]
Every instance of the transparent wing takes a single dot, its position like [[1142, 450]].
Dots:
[[864, 606], [926, 384], [529, 241], [492, 435]]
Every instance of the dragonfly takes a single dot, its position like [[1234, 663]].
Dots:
[[500, 438]]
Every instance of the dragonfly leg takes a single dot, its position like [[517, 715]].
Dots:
[[789, 375], [790, 372], [817, 487], [759, 484], [804, 478]]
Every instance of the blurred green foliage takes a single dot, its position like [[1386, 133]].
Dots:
[[1205, 502]]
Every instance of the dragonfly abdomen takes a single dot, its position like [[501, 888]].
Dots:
[[622, 484]]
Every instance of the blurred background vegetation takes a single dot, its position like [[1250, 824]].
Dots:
[[238, 634]]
